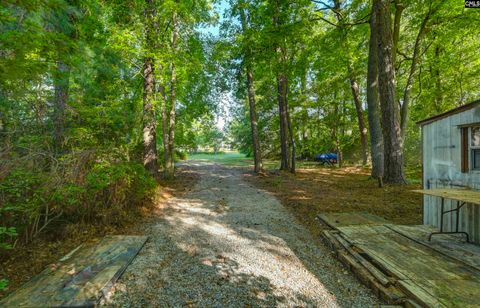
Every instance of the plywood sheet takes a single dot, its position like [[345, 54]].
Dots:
[[430, 277], [453, 246], [336, 220], [81, 278], [410, 258], [444, 293]]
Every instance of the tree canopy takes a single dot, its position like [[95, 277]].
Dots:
[[98, 98]]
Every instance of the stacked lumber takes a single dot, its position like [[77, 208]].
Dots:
[[401, 266]]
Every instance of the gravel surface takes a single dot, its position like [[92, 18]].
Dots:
[[226, 243]]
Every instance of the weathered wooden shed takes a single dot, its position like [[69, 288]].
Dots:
[[451, 159]]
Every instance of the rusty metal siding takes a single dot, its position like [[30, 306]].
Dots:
[[442, 168]]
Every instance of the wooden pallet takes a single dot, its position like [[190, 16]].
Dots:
[[81, 278], [402, 268]]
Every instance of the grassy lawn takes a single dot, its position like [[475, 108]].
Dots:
[[234, 159], [316, 189]]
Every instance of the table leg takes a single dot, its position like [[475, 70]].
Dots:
[[443, 212]]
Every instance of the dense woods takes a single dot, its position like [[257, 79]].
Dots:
[[99, 98], [358, 76]]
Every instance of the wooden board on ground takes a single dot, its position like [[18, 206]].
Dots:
[[336, 220], [81, 278], [450, 245], [429, 277]]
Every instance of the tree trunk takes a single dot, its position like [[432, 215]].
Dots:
[[286, 135], [61, 85], [360, 118], [165, 135], [392, 138], [376, 138], [353, 83], [293, 147], [399, 7], [169, 171], [282, 110], [438, 81], [257, 154], [149, 118]]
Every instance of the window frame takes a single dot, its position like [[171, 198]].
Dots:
[[472, 149]]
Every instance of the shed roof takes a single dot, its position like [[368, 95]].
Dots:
[[449, 113]]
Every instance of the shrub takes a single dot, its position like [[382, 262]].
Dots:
[[76, 190], [180, 155]]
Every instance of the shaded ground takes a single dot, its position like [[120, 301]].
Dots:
[[320, 190], [226, 243], [25, 261]]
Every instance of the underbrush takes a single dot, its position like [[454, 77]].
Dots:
[[45, 199]]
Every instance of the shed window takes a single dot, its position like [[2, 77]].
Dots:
[[475, 147], [470, 145], [476, 159], [475, 140]]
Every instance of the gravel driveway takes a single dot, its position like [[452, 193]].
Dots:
[[226, 243]]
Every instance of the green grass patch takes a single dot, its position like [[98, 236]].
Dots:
[[229, 158]]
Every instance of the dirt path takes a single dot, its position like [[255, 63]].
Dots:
[[228, 244]]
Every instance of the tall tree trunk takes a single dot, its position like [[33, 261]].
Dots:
[[353, 83], [360, 118], [438, 80], [376, 138], [149, 118], [61, 85], [170, 164], [392, 137], [286, 134], [337, 131], [399, 7], [257, 154], [165, 135], [282, 110], [293, 147]]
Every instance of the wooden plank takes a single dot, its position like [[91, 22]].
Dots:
[[375, 272], [421, 296], [464, 195], [408, 259], [331, 240], [335, 220], [81, 278], [429, 278], [443, 293], [389, 294], [452, 293], [446, 244]]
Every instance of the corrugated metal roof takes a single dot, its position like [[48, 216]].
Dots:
[[449, 113]]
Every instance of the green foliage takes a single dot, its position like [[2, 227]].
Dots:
[[6, 232], [318, 51]]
